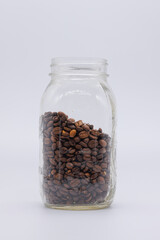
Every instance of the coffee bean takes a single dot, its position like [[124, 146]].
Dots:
[[103, 143], [64, 133], [69, 165], [50, 123], [83, 134], [74, 183], [72, 133], [47, 141], [77, 139], [93, 143], [95, 133], [76, 161], [56, 130], [86, 127], [79, 123], [97, 168], [101, 180]]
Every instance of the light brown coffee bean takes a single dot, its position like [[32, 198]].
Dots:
[[73, 133]]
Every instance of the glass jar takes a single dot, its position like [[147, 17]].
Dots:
[[77, 136]]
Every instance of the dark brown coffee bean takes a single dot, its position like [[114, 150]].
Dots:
[[102, 150], [78, 164], [69, 165], [77, 139], [55, 119], [86, 140], [92, 143], [58, 176], [93, 137], [103, 143], [101, 180], [72, 142], [83, 134], [86, 127], [89, 164], [54, 145], [104, 165], [83, 144], [64, 150], [95, 133], [79, 123], [87, 157], [78, 146], [97, 168], [67, 129], [56, 130], [52, 161], [53, 139], [64, 133], [74, 183], [99, 156], [50, 123], [94, 175], [86, 151], [47, 141], [71, 120]]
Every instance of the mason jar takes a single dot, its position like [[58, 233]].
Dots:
[[77, 136]]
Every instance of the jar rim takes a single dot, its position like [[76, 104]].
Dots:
[[78, 66], [77, 60]]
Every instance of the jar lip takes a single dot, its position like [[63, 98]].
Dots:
[[78, 61]]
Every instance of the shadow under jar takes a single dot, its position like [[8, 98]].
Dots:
[[77, 136]]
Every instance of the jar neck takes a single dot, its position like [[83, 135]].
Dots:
[[78, 68]]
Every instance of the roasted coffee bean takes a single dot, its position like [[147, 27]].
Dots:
[[79, 123], [77, 139], [47, 141], [92, 143], [72, 133], [83, 144], [83, 134], [69, 165], [86, 127], [78, 146], [65, 133], [55, 119], [103, 143], [50, 123], [76, 161], [56, 130], [97, 168], [95, 133], [71, 120], [101, 180]]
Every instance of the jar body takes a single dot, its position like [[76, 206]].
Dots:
[[77, 142]]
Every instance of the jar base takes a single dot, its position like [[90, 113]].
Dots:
[[79, 208]]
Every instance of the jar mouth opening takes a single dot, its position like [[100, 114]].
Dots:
[[77, 60], [78, 66]]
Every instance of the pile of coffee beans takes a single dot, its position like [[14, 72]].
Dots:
[[76, 161]]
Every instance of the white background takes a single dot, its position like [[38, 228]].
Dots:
[[127, 33]]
